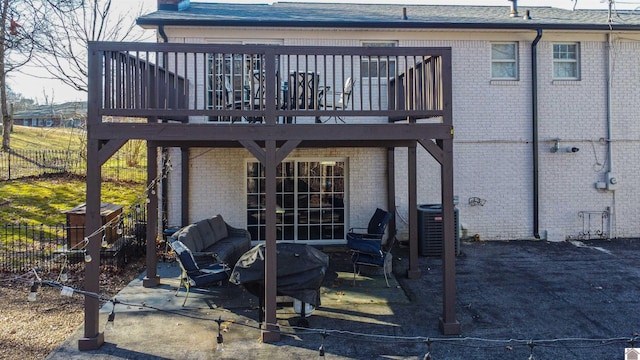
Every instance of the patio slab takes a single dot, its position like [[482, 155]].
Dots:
[[574, 300]]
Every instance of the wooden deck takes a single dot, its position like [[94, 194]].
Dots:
[[270, 100]]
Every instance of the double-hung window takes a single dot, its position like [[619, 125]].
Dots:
[[378, 67], [504, 61], [566, 61]]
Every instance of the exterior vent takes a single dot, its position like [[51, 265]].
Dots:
[[514, 8]]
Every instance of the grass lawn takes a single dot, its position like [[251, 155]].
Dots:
[[42, 200]]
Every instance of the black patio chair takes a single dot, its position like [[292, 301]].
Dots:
[[367, 249], [195, 276]]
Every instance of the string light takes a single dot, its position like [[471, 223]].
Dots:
[[33, 292], [63, 277], [219, 339], [348, 334], [120, 228], [112, 316], [427, 356], [87, 257], [321, 349], [104, 243]]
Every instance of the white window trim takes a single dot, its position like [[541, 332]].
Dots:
[[575, 61], [515, 61]]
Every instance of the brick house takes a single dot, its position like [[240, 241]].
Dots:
[[526, 165], [237, 98]]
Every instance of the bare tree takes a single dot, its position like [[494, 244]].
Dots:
[[19, 31], [71, 25]]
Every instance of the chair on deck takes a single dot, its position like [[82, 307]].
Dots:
[[257, 95], [194, 276], [327, 100], [367, 249]]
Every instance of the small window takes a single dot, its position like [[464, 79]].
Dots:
[[378, 67], [566, 61], [504, 61]]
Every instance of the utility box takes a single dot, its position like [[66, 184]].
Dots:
[[76, 218], [431, 231]]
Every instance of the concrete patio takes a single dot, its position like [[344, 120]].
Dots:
[[567, 300]]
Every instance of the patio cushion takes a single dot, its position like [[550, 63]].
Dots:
[[207, 234], [190, 236], [219, 226], [362, 244], [225, 249], [208, 275], [186, 257]]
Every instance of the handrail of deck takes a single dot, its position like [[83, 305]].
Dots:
[[269, 83]]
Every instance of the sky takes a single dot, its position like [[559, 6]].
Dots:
[[35, 86]]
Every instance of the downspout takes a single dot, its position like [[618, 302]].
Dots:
[[164, 156], [163, 34], [534, 123], [610, 177]]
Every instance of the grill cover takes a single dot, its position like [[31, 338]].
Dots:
[[301, 270]]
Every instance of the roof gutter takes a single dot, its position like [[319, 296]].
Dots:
[[534, 125], [145, 21]]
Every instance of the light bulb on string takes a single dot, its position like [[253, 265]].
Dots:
[[427, 356], [120, 228], [531, 346], [64, 277], [321, 349], [219, 339], [33, 292], [104, 242], [112, 316], [87, 257], [138, 209]]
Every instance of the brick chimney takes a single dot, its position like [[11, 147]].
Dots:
[[175, 5]]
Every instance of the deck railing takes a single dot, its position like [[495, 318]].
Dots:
[[213, 83]]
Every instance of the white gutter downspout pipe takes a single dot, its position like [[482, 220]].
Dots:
[[611, 179]]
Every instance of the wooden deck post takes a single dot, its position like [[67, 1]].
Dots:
[[152, 279], [414, 270], [92, 338], [449, 325], [270, 332]]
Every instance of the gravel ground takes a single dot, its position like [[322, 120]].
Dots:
[[31, 330]]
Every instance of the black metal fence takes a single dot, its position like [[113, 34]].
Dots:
[[46, 247], [16, 164]]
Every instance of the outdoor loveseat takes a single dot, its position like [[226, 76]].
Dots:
[[213, 240]]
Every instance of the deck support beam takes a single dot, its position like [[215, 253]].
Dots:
[[449, 325], [414, 270], [270, 333], [92, 338], [152, 279]]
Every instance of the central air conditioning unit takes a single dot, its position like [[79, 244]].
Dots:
[[431, 232]]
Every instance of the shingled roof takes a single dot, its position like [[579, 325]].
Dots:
[[331, 15]]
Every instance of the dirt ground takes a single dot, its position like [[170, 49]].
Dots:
[[31, 330]]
